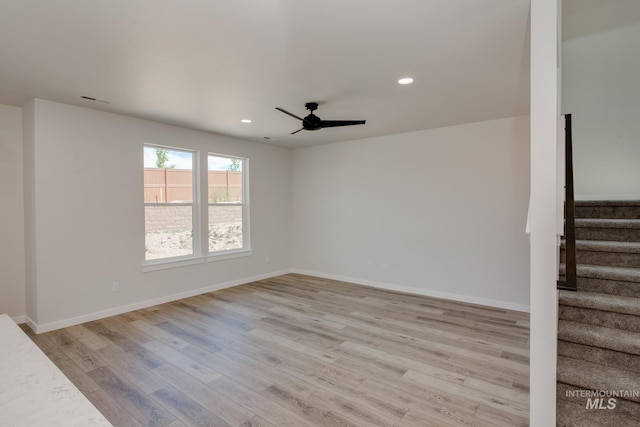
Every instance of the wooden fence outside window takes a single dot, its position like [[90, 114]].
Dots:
[[168, 185]]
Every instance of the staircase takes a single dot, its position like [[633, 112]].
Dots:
[[599, 325]]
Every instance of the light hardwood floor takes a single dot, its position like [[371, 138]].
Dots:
[[302, 351]]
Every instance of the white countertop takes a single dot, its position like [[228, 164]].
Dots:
[[33, 391]]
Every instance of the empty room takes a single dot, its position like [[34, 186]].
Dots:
[[281, 213]]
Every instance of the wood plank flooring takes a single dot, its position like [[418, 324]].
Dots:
[[302, 351]]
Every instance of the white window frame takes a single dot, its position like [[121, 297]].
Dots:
[[196, 222], [200, 214], [246, 239]]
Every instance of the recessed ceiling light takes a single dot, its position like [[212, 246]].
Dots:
[[246, 120], [405, 81]]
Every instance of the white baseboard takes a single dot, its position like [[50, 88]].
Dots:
[[89, 317], [30, 323], [418, 291], [64, 323]]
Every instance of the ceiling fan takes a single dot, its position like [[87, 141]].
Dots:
[[313, 122]]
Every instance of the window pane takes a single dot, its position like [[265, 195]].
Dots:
[[168, 175], [225, 192], [225, 227], [225, 180], [168, 231]]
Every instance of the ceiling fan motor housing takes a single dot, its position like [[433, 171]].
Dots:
[[311, 122]]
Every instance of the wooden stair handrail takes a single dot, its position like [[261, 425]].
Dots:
[[569, 213]]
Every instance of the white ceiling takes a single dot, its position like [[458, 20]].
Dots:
[[206, 64]]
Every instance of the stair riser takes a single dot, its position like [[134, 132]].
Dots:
[[611, 212], [606, 357], [611, 287], [573, 411], [606, 319], [592, 376], [608, 234], [610, 259]]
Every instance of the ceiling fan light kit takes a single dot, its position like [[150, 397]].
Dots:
[[313, 122]]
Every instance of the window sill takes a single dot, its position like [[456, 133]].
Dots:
[[162, 264], [239, 253]]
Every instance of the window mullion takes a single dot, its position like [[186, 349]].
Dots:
[[245, 205], [196, 214], [204, 204]]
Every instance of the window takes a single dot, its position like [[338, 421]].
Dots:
[[180, 229], [226, 203], [169, 203]]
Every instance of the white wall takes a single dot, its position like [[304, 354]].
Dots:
[[602, 91], [88, 225], [12, 273], [439, 212]]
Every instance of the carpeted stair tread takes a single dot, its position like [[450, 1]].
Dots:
[[613, 287], [592, 376], [607, 203], [628, 409], [609, 273], [618, 209], [598, 336], [624, 274], [602, 302], [602, 356], [623, 254], [607, 223], [608, 229], [572, 414], [607, 246], [605, 319]]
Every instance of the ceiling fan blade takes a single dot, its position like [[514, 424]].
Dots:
[[292, 133], [286, 112], [336, 123]]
